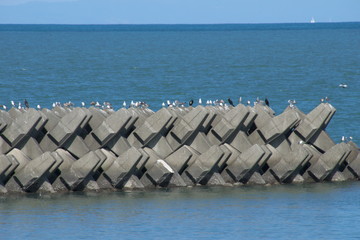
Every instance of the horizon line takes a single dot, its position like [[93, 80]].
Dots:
[[100, 24]]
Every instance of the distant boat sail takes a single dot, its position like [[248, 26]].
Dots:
[[312, 20]]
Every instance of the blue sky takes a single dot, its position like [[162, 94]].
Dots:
[[176, 11]]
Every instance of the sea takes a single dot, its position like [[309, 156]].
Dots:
[[155, 63]]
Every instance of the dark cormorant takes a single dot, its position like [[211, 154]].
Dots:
[[26, 103], [191, 102], [231, 102], [267, 102]]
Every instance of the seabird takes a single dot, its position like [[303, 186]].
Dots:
[[124, 104], [343, 138], [191, 102], [163, 104], [240, 99], [97, 104], [292, 103], [19, 107], [12, 103], [343, 85], [230, 102], [38, 107], [82, 104], [248, 102], [26, 103], [200, 102], [267, 102]]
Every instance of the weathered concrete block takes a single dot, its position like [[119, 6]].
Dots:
[[216, 180], [33, 174], [224, 159], [242, 168], [111, 126], [241, 142], [4, 146], [237, 116], [189, 123], [140, 167], [257, 179], [76, 146], [180, 159], [159, 174], [278, 125], [5, 120], [316, 120], [329, 162], [40, 125], [161, 146], [67, 126], [8, 164], [133, 183], [209, 121], [98, 117], [200, 143], [21, 126], [222, 130], [52, 119], [123, 168], [321, 140], [118, 145], [60, 111], [76, 173], [153, 157], [30, 147], [202, 169], [297, 161], [153, 126]]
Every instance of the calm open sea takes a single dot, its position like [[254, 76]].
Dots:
[[154, 63]]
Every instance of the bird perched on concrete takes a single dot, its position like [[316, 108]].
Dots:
[[200, 101], [267, 102], [231, 102], [292, 103], [38, 107], [191, 102], [26, 103], [82, 104]]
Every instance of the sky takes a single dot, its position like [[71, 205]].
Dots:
[[176, 11]]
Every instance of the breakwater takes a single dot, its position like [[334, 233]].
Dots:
[[77, 149]]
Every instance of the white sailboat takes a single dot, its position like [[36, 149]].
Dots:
[[312, 20]]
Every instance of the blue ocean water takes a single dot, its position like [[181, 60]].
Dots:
[[154, 63], [312, 211]]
